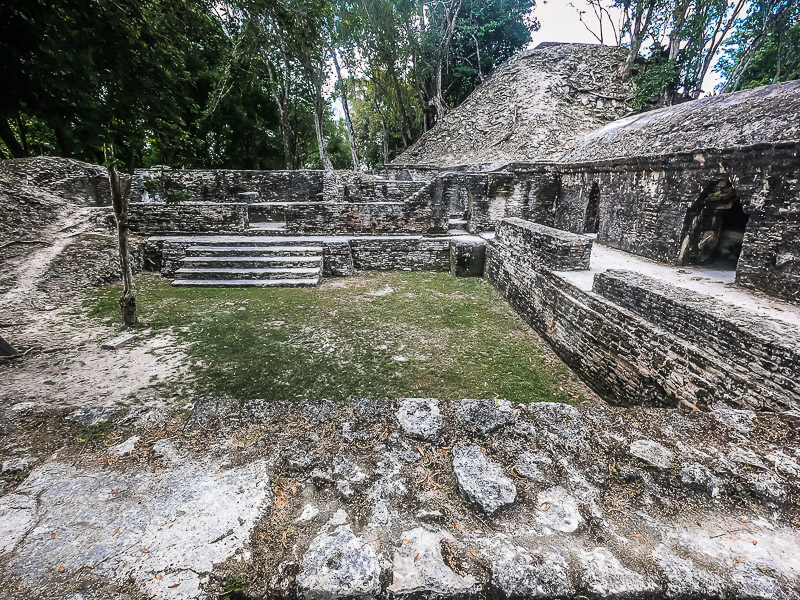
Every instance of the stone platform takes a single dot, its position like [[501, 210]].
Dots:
[[379, 498]]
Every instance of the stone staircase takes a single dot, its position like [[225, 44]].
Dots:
[[246, 263]]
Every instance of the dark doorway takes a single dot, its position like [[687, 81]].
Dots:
[[591, 223], [714, 228]]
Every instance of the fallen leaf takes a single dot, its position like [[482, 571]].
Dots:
[[174, 585], [159, 576], [61, 569], [755, 542], [52, 536], [160, 472], [473, 553], [638, 535], [478, 531], [421, 451], [114, 491], [458, 525], [116, 531], [416, 558], [406, 542], [144, 551]]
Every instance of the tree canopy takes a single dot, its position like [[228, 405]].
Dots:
[[254, 83]]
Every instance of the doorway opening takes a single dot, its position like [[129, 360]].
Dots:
[[714, 228], [591, 222]]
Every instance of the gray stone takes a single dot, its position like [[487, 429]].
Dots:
[[347, 474], [480, 481], [697, 477], [518, 574], [530, 465], [132, 525], [124, 448], [339, 564], [768, 487], [652, 453], [750, 582], [93, 415], [683, 578], [15, 465], [418, 566], [309, 513], [420, 417], [558, 510], [483, 416], [740, 420], [603, 575]]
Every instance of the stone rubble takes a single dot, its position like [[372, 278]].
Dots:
[[564, 502]]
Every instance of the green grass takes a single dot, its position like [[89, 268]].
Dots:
[[341, 340]]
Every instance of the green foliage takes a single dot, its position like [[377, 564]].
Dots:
[[234, 587], [341, 342], [765, 48], [176, 196], [655, 75]]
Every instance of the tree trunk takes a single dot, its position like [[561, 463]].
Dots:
[[319, 119], [10, 140], [351, 134], [119, 200]]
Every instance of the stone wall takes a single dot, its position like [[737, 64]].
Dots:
[[543, 246], [407, 254], [752, 347], [361, 217], [633, 359], [147, 218], [223, 185], [73, 180]]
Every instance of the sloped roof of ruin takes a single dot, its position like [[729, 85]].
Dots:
[[767, 114], [535, 106]]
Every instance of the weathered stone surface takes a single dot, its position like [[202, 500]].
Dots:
[[684, 127], [15, 465], [558, 510], [339, 564], [484, 416], [532, 107], [518, 574], [683, 578], [480, 481], [592, 523], [420, 417], [653, 453], [418, 566], [132, 525], [603, 575]]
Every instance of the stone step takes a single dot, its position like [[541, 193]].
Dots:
[[457, 223], [249, 262], [246, 283], [273, 226], [254, 250], [253, 273]]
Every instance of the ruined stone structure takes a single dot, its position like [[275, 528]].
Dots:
[[659, 256]]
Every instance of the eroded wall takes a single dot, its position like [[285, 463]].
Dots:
[[638, 340]]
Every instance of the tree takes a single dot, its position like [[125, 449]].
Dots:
[[120, 194], [765, 48]]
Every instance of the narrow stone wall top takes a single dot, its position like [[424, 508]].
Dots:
[[545, 246], [767, 114]]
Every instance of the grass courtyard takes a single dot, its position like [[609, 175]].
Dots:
[[380, 334]]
